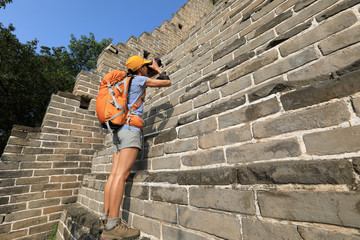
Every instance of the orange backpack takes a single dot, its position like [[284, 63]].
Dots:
[[111, 102]]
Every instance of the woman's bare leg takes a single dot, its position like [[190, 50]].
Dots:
[[109, 183], [126, 160]]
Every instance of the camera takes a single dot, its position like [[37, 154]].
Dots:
[[158, 61], [163, 75]]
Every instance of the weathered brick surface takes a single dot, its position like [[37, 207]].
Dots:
[[222, 106], [324, 30], [161, 211], [217, 176], [181, 146], [226, 137], [323, 91], [166, 163], [257, 230], [320, 117], [340, 140], [292, 62], [340, 40], [221, 225], [176, 195], [333, 63], [170, 232], [240, 53], [231, 200], [338, 208], [198, 128], [336, 9], [249, 113], [252, 152], [304, 15], [203, 158], [253, 65], [314, 233], [147, 225], [297, 172]]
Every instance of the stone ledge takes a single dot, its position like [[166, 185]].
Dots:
[[337, 171]]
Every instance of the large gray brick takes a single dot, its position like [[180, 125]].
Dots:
[[147, 225], [303, 4], [215, 176], [327, 65], [137, 191], [226, 226], [256, 229], [226, 137], [253, 65], [269, 150], [206, 98], [176, 195], [336, 9], [198, 128], [319, 117], [222, 106], [314, 233], [161, 211], [232, 200], [236, 86], [338, 208], [249, 113], [166, 163], [204, 158], [322, 31], [285, 65], [272, 23], [181, 146], [265, 9], [340, 40], [297, 172], [337, 141], [174, 233], [228, 47], [285, 36], [194, 92], [303, 15], [321, 92]]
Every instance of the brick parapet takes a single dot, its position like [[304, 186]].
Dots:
[[277, 125], [42, 168], [256, 133]]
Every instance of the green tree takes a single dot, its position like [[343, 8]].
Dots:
[[4, 2], [23, 88], [27, 79], [85, 51]]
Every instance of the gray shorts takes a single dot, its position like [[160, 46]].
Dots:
[[126, 138]]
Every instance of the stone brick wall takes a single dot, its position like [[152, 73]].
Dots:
[[42, 169], [257, 138]]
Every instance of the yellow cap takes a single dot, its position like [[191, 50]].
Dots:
[[135, 62]]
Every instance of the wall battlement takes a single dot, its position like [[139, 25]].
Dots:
[[257, 138]]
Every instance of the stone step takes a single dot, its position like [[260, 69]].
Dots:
[[79, 222]]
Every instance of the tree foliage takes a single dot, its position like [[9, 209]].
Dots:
[[27, 79], [4, 2]]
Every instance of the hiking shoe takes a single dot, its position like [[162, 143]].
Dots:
[[121, 231]]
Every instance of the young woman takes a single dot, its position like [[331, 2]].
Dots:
[[127, 143]]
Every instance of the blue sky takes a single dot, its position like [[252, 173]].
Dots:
[[52, 22]]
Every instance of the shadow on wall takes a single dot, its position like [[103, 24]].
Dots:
[[158, 120]]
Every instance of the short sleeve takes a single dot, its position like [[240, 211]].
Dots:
[[140, 80]]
